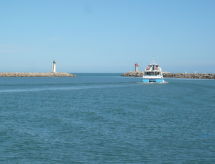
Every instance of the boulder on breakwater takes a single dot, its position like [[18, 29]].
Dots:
[[46, 74], [176, 75]]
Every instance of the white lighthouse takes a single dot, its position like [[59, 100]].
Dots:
[[54, 67]]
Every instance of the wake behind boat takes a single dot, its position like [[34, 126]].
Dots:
[[153, 74]]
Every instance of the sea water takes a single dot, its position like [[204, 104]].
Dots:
[[106, 118]]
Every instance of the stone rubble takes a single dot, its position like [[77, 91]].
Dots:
[[176, 75], [46, 74]]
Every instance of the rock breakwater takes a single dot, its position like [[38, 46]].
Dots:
[[133, 74], [176, 75], [190, 75], [46, 74]]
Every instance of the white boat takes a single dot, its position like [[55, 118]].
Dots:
[[153, 74]]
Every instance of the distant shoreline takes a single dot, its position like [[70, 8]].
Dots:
[[45, 74], [176, 75]]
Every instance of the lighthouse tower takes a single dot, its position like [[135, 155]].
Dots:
[[136, 67], [54, 67]]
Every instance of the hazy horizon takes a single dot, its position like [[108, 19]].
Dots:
[[107, 36]]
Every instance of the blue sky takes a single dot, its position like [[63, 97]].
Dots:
[[107, 35]]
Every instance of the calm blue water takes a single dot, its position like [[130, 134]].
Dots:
[[105, 118]]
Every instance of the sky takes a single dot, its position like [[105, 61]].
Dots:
[[107, 35]]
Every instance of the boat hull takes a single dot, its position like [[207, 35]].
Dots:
[[153, 80]]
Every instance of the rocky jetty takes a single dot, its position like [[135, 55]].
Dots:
[[46, 74], [190, 75], [133, 74], [176, 75]]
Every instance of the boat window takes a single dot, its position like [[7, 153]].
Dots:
[[152, 73]]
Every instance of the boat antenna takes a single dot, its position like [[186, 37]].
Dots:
[[153, 60]]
